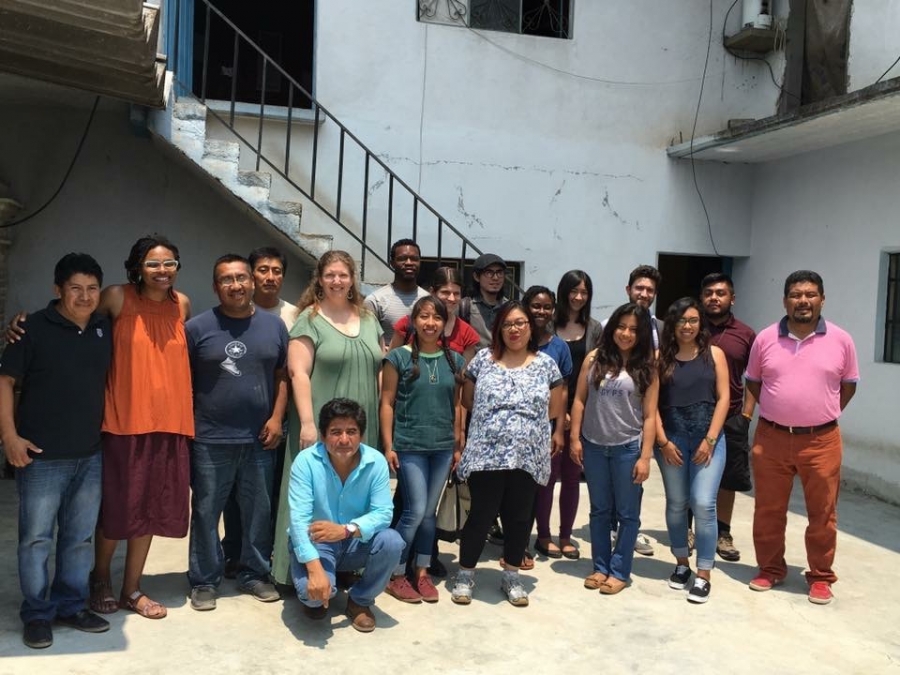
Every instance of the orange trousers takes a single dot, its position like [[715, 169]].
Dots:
[[777, 457]]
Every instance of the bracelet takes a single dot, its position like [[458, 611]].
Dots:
[[749, 417], [663, 445]]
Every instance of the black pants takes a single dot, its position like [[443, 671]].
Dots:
[[511, 494]]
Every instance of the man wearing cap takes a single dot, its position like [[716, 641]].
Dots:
[[803, 372], [489, 274]]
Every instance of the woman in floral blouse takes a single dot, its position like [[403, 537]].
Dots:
[[513, 391]]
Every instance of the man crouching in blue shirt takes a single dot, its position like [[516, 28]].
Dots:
[[340, 508]]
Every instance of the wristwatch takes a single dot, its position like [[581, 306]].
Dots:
[[350, 530], [711, 441]]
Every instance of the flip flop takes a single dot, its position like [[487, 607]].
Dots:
[[102, 600], [149, 609]]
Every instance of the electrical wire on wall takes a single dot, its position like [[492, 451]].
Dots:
[[68, 171], [712, 240], [890, 68]]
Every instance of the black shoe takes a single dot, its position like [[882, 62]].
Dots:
[[232, 567], [437, 569], [315, 613], [86, 621], [543, 550], [699, 592], [203, 598], [38, 634], [261, 590], [680, 577], [495, 535]]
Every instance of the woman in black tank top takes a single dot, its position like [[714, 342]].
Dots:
[[693, 405]]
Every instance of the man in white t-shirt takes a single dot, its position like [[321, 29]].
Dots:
[[394, 301]]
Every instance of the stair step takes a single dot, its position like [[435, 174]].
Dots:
[[186, 109], [227, 151], [256, 179]]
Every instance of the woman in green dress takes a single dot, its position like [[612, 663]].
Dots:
[[336, 350]]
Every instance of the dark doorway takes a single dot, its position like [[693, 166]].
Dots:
[[681, 276], [283, 30]]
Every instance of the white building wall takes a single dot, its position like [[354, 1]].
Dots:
[[874, 41], [122, 187], [835, 211]]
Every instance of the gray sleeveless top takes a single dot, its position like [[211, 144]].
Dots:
[[613, 412]]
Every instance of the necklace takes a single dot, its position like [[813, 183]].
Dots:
[[432, 370]]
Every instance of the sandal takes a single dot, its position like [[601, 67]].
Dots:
[[570, 551], [102, 600], [612, 586], [546, 550], [594, 581], [527, 562], [140, 603]]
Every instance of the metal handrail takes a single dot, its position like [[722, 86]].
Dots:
[[468, 247]]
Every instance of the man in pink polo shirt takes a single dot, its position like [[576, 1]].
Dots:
[[803, 372]]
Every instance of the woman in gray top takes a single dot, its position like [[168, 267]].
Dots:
[[612, 436]]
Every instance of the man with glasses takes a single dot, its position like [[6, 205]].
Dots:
[[238, 360], [479, 310], [269, 266], [394, 301]]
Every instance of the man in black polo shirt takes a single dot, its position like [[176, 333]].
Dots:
[[54, 442]]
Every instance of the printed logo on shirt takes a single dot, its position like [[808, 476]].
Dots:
[[99, 332], [234, 350]]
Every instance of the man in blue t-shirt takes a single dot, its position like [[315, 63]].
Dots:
[[238, 357]]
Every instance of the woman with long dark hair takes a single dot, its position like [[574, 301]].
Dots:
[[613, 429], [693, 405], [419, 395], [513, 391]]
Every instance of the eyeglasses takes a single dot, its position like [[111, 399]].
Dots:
[[518, 324], [167, 265], [692, 321], [233, 279], [496, 274]]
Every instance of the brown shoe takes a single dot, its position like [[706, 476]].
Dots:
[[361, 618]]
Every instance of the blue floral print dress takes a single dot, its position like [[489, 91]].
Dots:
[[510, 426]]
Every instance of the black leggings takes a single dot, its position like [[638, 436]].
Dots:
[[511, 494]]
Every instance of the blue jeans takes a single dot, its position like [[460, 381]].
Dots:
[[693, 486], [215, 469], [422, 478], [610, 481], [378, 557], [66, 493]]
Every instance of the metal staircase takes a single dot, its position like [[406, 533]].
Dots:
[[315, 160]]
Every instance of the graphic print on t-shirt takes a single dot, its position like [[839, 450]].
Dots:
[[233, 350]]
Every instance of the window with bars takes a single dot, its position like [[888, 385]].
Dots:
[[892, 312], [547, 18]]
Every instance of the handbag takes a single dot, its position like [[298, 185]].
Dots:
[[453, 509]]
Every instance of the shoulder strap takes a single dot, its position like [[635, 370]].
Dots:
[[465, 309]]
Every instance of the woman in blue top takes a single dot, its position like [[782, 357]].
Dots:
[[541, 303], [419, 391], [693, 405]]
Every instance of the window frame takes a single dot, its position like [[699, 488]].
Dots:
[[891, 341]]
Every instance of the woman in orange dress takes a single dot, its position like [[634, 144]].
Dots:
[[148, 422]]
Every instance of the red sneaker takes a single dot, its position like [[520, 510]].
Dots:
[[425, 587], [820, 593], [765, 582], [401, 589]]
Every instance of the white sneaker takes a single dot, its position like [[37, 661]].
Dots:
[[512, 586], [642, 545], [463, 584]]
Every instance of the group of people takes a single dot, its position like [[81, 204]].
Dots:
[[288, 420]]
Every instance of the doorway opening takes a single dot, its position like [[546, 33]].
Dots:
[[682, 274]]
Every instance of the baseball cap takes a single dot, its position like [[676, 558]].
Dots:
[[486, 260]]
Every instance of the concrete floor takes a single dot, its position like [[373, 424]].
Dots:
[[648, 628]]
